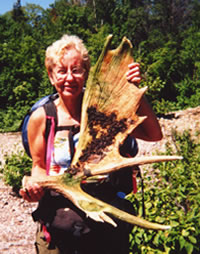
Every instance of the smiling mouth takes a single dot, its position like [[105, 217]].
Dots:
[[69, 87]]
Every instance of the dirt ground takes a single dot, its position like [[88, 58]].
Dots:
[[17, 230]]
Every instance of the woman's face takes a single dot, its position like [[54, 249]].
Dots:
[[68, 76]]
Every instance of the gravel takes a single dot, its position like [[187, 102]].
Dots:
[[17, 230]]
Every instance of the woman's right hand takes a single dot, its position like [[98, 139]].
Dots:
[[32, 193]]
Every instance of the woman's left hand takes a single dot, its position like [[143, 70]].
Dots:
[[133, 74]]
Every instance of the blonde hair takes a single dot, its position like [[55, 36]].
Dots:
[[55, 52]]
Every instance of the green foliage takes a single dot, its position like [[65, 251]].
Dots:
[[164, 106], [165, 38], [172, 196], [11, 119], [95, 43], [188, 89], [16, 166], [188, 93]]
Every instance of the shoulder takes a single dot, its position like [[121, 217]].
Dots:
[[38, 117]]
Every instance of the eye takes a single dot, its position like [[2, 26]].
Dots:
[[61, 71], [78, 70]]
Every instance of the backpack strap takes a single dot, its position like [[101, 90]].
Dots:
[[50, 110], [51, 128], [51, 123], [72, 131]]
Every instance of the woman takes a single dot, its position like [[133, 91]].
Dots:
[[63, 228]]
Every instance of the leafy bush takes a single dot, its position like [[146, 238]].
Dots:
[[12, 118], [188, 93], [172, 196], [155, 86], [168, 48], [16, 166]]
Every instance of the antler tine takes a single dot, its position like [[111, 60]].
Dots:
[[122, 162], [93, 208]]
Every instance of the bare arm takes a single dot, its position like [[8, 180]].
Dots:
[[150, 129], [37, 144]]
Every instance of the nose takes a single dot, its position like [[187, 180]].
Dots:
[[69, 75]]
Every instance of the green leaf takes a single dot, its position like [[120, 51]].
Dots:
[[156, 239], [148, 205], [181, 242], [189, 248], [174, 223], [185, 233], [192, 239]]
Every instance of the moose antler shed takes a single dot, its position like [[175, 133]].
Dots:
[[108, 115]]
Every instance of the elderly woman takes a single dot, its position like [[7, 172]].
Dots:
[[62, 228]]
